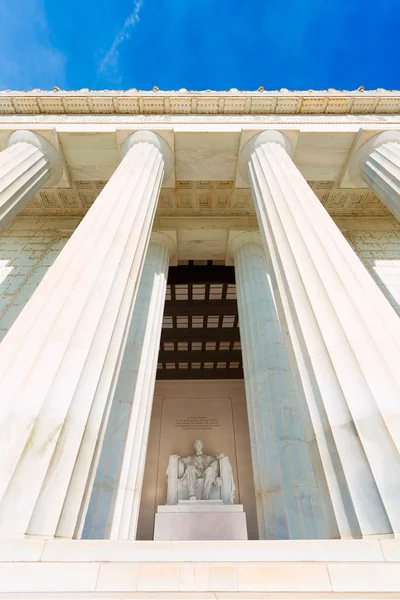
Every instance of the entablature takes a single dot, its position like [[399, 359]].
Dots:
[[206, 132]]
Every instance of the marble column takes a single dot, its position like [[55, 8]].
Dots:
[[289, 502], [344, 336], [60, 361], [114, 503], [377, 163], [27, 163]]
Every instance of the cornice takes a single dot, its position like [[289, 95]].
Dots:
[[183, 102]]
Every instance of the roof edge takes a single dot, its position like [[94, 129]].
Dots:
[[203, 103]]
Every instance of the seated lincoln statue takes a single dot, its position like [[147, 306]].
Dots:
[[200, 477]]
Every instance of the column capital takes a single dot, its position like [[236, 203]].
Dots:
[[239, 237], [168, 238], [51, 155], [361, 155], [265, 137], [150, 138]]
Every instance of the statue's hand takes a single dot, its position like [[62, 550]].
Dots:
[[220, 456]]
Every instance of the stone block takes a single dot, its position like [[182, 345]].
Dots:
[[200, 522], [223, 578], [21, 550], [118, 577], [391, 550], [384, 577], [48, 577], [186, 578], [283, 578], [201, 577], [158, 578]]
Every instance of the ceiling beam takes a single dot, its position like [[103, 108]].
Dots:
[[183, 356], [201, 334], [185, 274], [184, 308], [199, 373]]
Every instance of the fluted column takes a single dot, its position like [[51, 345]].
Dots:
[[377, 163], [26, 164], [114, 504], [345, 337], [289, 503], [60, 361]]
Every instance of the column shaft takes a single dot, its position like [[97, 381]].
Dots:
[[59, 362], [114, 504], [381, 171], [289, 503], [25, 165], [345, 337]]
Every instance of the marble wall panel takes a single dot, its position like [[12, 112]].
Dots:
[[28, 247], [380, 252]]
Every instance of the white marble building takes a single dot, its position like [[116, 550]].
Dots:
[[213, 265]]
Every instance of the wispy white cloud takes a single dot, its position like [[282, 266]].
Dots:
[[28, 58], [110, 62]]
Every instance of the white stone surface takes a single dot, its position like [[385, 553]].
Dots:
[[199, 506], [114, 504], [48, 577], [202, 551], [83, 567], [377, 162], [200, 522], [290, 504], [283, 578], [21, 550], [28, 247], [61, 356], [377, 244], [391, 550], [345, 338], [365, 578], [27, 163], [294, 580]]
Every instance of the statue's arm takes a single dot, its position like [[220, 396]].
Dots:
[[228, 484], [176, 467], [214, 459], [172, 465]]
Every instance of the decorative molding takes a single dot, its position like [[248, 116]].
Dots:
[[203, 198], [233, 102], [348, 202]]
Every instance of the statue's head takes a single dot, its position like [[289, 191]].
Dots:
[[198, 446]]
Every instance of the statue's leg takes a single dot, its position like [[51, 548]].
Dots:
[[209, 476], [191, 476]]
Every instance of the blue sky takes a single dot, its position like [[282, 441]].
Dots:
[[199, 44]]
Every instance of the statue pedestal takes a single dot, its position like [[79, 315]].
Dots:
[[200, 520]]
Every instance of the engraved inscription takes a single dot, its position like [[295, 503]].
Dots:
[[197, 423]]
